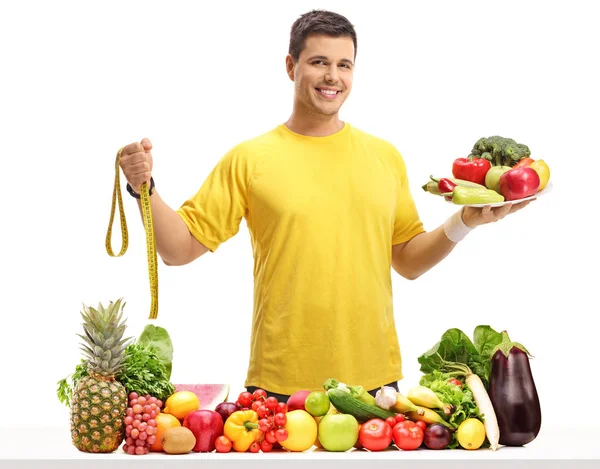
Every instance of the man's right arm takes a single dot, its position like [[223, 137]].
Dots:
[[174, 242]]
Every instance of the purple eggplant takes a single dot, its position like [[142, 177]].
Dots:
[[513, 394]]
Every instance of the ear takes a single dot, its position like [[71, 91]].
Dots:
[[289, 66]]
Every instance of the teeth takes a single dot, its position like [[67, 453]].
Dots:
[[332, 92]]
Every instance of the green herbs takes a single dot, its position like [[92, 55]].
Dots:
[[146, 368], [158, 338], [456, 347], [460, 397]]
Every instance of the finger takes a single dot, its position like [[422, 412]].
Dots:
[[135, 158], [520, 205], [132, 148], [146, 144], [503, 211], [140, 168]]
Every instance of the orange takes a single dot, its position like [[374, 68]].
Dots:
[[163, 421], [181, 403]]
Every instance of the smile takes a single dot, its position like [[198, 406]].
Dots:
[[328, 94]]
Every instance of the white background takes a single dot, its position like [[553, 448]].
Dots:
[[79, 81]]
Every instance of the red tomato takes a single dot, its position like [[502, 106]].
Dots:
[[407, 435], [524, 162], [391, 421], [422, 425], [375, 435], [399, 418], [223, 444], [455, 381]]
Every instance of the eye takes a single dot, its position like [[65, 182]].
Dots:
[[345, 65], [319, 62]]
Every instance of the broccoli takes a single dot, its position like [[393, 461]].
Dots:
[[500, 151]]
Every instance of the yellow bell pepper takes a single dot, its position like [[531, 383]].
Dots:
[[242, 429]]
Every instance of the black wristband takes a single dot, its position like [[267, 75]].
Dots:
[[135, 194]]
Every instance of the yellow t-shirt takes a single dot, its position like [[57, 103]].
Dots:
[[323, 214]]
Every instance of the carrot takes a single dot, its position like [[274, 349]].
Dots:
[[482, 400]]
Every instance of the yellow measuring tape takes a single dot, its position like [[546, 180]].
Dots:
[[148, 227]]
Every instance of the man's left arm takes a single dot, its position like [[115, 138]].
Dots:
[[419, 254]]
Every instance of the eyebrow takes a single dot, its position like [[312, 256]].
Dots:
[[322, 57]]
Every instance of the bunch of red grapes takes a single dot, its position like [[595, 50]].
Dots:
[[140, 426], [272, 419]]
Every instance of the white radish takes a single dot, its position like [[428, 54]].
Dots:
[[474, 383], [484, 403]]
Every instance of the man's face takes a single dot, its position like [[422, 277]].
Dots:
[[323, 74]]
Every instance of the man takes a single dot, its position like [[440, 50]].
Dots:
[[329, 213]]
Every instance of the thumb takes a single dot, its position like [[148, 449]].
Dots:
[[146, 144]]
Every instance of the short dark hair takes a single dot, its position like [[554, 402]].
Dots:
[[319, 22]]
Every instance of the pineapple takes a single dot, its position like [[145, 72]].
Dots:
[[99, 402]]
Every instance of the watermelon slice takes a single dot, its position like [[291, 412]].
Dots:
[[210, 395]]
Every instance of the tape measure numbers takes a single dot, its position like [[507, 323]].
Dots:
[[117, 200]]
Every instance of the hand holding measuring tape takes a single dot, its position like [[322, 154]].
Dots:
[[136, 162]]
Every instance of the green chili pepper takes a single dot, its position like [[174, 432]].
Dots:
[[474, 195]]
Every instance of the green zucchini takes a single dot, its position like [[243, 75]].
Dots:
[[347, 404]]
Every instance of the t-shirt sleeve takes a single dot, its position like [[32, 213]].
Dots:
[[407, 223], [214, 213]]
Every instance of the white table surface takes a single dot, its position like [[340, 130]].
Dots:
[[554, 447]]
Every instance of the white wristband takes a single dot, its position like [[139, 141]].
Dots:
[[455, 228]]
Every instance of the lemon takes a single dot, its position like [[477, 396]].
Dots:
[[471, 434], [181, 403]]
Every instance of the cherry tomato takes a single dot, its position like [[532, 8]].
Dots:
[[281, 408], [245, 399], [391, 421], [264, 425], [223, 444], [265, 446], [271, 403], [455, 381], [400, 418], [255, 447], [270, 436], [280, 420], [262, 412], [281, 434], [256, 405], [375, 435], [260, 394], [422, 425], [407, 435]]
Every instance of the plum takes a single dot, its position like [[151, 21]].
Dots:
[[226, 409], [437, 436]]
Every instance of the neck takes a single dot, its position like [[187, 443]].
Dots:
[[312, 124]]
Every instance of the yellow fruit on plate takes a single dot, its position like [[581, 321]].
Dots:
[[543, 171], [302, 431], [471, 434], [181, 403]]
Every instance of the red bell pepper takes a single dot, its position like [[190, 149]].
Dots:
[[446, 185], [471, 169]]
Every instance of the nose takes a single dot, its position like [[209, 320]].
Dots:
[[332, 74]]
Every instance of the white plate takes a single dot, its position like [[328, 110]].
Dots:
[[547, 189]]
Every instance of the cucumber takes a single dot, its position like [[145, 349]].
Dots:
[[347, 404]]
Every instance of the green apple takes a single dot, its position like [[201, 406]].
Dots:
[[492, 177], [338, 432]]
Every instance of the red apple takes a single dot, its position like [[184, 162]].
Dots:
[[519, 183], [296, 401], [207, 426]]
